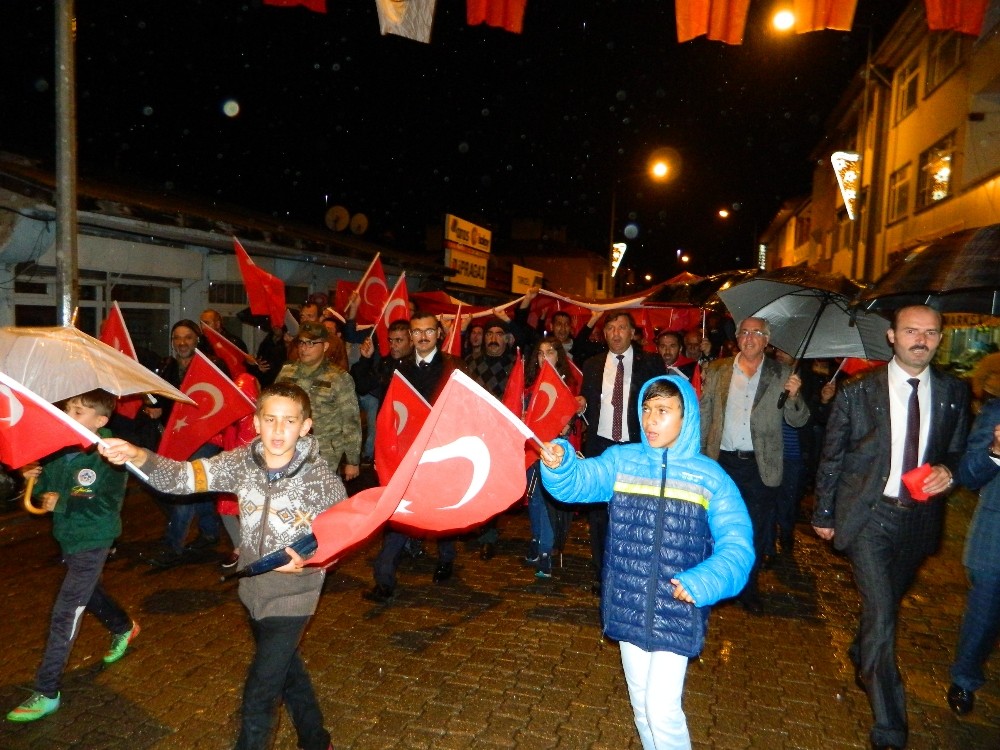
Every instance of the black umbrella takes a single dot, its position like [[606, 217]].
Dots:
[[304, 546], [957, 273], [699, 293]]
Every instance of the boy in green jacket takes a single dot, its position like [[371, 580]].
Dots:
[[84, 493]]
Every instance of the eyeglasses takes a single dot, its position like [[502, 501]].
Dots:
[[309, 344], [423, 332], [744, 333]]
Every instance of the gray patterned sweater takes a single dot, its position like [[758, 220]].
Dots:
[[274, 512]]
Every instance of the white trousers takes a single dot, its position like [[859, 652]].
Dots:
[[655, 684]]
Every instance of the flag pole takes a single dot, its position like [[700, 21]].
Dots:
[[400, 280], [364, 277]]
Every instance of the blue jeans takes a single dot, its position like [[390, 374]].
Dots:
[[81, 591], [980, 629], [182, 513], [278, 674], [369, 405], [538, 513]]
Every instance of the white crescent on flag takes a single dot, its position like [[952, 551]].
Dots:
[[471, 448], [368, 285], [550, 393], [15, 408], [387, 315], [212, 391], [402, 414]]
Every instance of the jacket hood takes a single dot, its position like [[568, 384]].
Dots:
[[688, 443], [306, 450]]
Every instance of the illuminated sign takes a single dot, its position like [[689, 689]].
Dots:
[[846, 165], [617, 253]]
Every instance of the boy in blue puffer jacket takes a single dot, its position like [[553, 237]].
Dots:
[[679, 540]]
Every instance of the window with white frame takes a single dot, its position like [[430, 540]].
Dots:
[[899, 194], [944, 53], [907, 78], [934, 177]]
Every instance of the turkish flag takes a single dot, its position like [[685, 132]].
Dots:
[[552, 404], [234, 357], [816, 15], [402, 414], [453, 343], [964, 16], [854, 365], [317, 6], [219, 404], [397, 307], [31, 428], [721, 20], [373, 291], [513, 393], [506, 14], [265, 293], [115, 334]]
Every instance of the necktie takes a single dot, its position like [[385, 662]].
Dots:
[[422, 363], [912, 444], [617, 395]]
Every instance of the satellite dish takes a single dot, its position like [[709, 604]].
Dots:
[[359, 224], [337, 218]]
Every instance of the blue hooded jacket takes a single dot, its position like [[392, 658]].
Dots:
[[673, 513]]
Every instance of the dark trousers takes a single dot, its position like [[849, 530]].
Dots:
[[278, 674], [81, 591], [388, 557], [597, 513], [761, 502], [980, 629], [885, 558], [793, 479]]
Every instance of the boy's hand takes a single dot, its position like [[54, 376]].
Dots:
[[49, 500], [294, 566], [351, 471], [118, 451], [31, 471], [680, 592], [552, 455]]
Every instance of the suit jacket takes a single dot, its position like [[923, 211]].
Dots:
[[644, 367], [977, 470], [854, 464], [765, 416], [429, 381]]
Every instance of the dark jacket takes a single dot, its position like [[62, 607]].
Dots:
[[854, 465], [674, 513], [644, 367], [430, 380], [977, 470]]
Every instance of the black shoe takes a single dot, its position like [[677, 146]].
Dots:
[[443, 572], [231, 561], [166, 559], [202, 542], [486, 551], [960, 699], [379, 594]]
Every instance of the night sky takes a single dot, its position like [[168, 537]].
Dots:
[[481, 123]]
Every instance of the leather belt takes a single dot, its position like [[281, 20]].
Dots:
[[742, 455], [895, 502]]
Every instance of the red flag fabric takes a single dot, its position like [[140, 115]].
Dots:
[[721, 20], [964, 16], [373, 292], [234, 357], [32, 428], [577, 373], [342, 294], [816, 15], [317, 6], [513, 393], [115, 334], [265, 293], [552, 404], [453, 343], [397, 307], [854, 365], [219, 404], [506, 14], [402, 414]]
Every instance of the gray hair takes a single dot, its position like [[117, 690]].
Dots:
[[766, 326]]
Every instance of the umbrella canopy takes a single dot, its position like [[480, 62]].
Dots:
[[60, 362], [811, 314], [958, 273], [698, 292]]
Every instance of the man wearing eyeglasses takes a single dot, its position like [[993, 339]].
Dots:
[[741, 429], [336, 419], [427, 369]]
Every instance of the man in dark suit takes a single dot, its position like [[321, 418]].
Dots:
[[428, 369], [611, 384], [884, 423]]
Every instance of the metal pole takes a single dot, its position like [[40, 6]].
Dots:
[[67, 274]]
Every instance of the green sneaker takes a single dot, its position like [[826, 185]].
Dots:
[[120, 644], [36, 707]]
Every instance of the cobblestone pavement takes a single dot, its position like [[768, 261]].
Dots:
[[491, 659]]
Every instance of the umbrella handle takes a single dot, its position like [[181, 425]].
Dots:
[[28, 505]]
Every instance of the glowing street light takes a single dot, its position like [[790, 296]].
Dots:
[[723, 213], [783, 20], [659, 169]]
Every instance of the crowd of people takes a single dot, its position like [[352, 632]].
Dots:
[[689, 456]]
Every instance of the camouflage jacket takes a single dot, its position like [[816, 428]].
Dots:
[[336, 423]]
